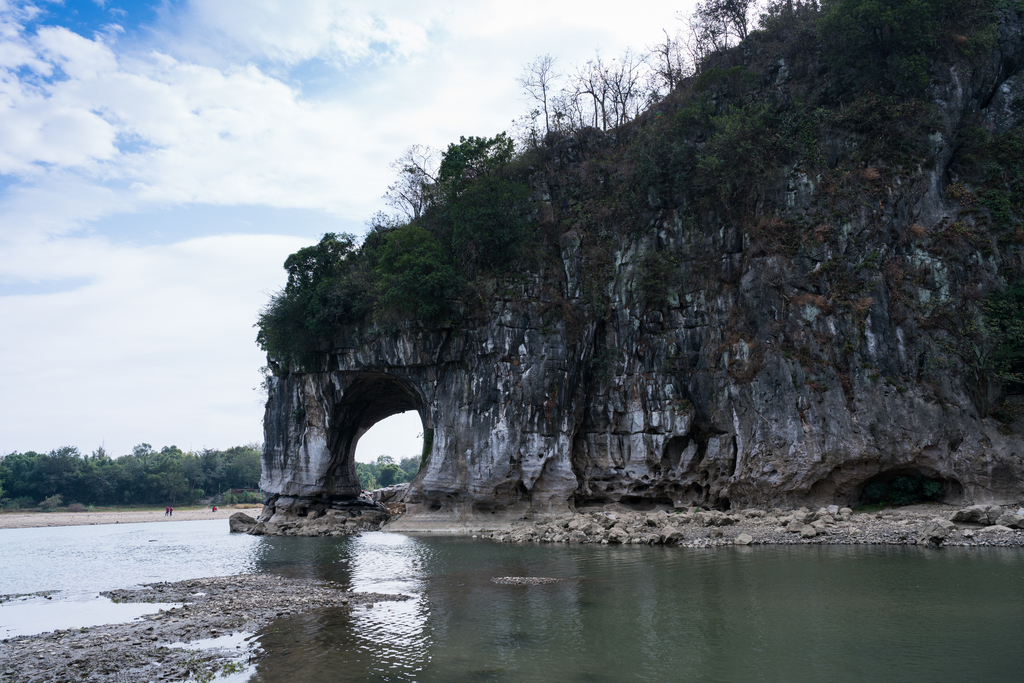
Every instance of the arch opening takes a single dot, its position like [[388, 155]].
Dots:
[[366, 400], [396, 440]]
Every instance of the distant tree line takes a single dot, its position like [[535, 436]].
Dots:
[[386, 472], [145, 476]]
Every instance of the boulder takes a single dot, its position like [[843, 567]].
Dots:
[[618, 535], [995, 529], [795, 527], [671, 535], [743, 539], [976, 514], [808, 531], [240, 523], [934, 533], [1012, 520], [390, 494]]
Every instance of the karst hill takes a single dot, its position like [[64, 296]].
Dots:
[[797, 278]]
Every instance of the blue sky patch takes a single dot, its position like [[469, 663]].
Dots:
[[88, 17], [167, 226], [28, 288]]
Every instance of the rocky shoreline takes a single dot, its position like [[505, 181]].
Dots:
[[142, 650], [931, 525]]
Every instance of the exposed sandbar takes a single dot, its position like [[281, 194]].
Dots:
[[24, 520]]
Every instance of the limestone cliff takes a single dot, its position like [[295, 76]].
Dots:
[[779, 342]]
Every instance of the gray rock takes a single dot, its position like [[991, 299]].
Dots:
[[934, 533], [796, 527], [743, 539], [618, 535], [976, 514], [390, 494], [808, 531], [803, 516], [240, 523], [1011, 520], [671, 535]]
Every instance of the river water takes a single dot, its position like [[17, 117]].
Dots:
[[805, 613]]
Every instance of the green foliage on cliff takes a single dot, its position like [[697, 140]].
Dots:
[[872, 43], [1004, 315], [327, 286], [827, 99], [474, 226]]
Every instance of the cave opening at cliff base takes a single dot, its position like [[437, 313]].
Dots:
[[907, 486]]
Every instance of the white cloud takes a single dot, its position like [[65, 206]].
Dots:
[[221, 103], [291, 32], [157, 348]]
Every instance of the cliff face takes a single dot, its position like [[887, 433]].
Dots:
[[721, 369]]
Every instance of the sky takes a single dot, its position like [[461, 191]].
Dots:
[[159, 160]]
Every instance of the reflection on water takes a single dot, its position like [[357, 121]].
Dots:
[[738, 614], [80, 561], [89, 559], [733, 614], [26, 617]]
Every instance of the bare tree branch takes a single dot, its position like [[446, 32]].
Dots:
[[537, 81], [417, 174]]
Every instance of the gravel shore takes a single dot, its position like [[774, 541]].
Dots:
[[911, 525], [24, 520], [139, 651]]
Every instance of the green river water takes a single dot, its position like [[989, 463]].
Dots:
[[805, 613]]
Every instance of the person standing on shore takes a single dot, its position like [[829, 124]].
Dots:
[[167, 510], [170, 510]]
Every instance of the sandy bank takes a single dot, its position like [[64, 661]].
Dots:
[[22, 520]]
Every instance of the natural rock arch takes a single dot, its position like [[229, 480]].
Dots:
[[311, 448], [519, 421], [370, 398]]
